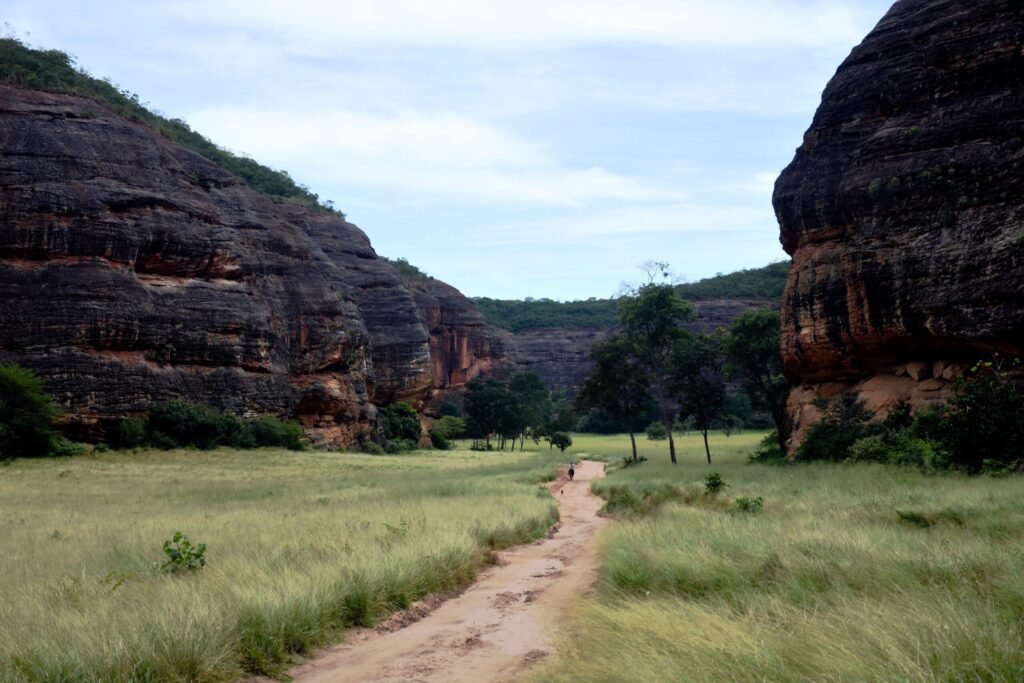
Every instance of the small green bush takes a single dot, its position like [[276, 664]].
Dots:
[[656, 432], [182, 555], [62, 447], [713, 484], [26, 415], [401, 422], [268, 431], [127, 434], [372, 448], [748, 506], [845, 420], [439, 442], [769, 452]]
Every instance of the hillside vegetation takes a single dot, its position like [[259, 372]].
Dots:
[[817, 572], [56, 71], [298, 547], [536, 314]]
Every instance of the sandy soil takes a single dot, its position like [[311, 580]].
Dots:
[[498, 627]]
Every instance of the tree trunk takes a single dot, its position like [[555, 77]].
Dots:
[[672, 446], [706, 449], [632, 440]]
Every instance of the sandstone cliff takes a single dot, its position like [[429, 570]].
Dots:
[[134, 271], [562, 356], [903, 209]]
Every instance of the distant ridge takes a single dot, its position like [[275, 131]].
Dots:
[[765, 283]]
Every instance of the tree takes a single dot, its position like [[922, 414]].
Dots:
[[617, 384], [561, 441], [699, 381], [985, 419], [26, 414], [753, 357], [401, 423], [651, 318], [482, 404], [530, 402]]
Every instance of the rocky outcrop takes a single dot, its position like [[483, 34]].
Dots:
[[463, 345], [903, 209], [562, 356], [133, 271]]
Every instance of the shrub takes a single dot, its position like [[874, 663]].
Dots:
[[713, 483], [450, 427], [656, 432], [62, 447], [438, 441], [984, 424], [844, 422], [401, 423], [398, 446], [749, 506], [126, 434], [26, 414], [182, 555], [630, 462], [270, 431], [177, 423], [769, 452], [372, 448]]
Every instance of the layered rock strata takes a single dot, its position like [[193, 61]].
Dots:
[[903, 210], [133, 271]]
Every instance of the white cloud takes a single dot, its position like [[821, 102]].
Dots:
[[504, 24], [418, 154]]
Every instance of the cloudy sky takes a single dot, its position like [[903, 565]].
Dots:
[[519, 148]]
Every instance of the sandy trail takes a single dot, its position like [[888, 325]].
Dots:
[[498, 627]]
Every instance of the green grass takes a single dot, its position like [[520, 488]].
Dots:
[[850, 573], [300, 547]]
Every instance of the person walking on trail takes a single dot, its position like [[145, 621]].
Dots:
[[572, 471]]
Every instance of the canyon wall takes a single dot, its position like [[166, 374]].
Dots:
[[904, 210], [134, 271]]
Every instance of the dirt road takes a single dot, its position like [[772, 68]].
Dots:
[[498, 627]]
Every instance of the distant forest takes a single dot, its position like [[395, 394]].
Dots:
[[537, 314], [55, 71]]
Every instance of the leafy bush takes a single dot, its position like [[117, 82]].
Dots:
[[268, 431], [749, 506], [400, 422], [769, 452], [181, 424], [713, 484], [656, 432], [62, 447], [985, 420], [26, 414], [450, 427], [845, 420], [182, 555], [126, 434], [628, 462], [439, 441], [399, 446], [372, 448], [899, 448]]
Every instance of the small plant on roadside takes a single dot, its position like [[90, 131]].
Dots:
[[714, 484], [630, 462], [182, 555], [749, 506]]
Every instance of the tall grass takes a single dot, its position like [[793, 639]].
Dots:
[[300, 547], [850, 573]]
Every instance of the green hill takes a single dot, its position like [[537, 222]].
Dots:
[[537, 314], [55, 71]]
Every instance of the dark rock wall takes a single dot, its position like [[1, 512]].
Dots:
[[903, 209], [133, 271]]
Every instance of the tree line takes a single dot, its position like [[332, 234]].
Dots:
[[654, 361]]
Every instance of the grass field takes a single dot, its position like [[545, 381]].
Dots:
[[850, 573], [300, 545]]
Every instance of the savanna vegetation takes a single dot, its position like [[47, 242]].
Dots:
[[56, 71], [535, 314], [816, 572], [278, 552]]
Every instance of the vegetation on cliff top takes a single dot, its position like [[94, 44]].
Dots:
[[56, 71], [538, 314]]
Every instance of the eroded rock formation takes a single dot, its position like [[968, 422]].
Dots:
[[903, 209], [133, 271]]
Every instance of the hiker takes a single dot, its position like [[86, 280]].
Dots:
[[572, 471]]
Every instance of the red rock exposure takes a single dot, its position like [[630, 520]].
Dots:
[[134, 271], [903, 210]]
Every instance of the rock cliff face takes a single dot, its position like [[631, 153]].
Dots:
[[562, 356], [133, 271], [903, 209]]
